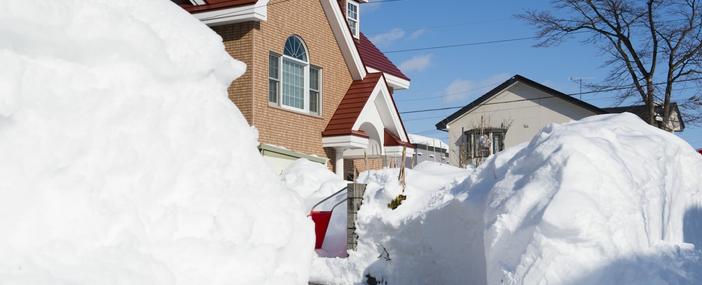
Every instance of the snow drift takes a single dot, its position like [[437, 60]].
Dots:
[[414, 244], [124, 162], [604, 200]]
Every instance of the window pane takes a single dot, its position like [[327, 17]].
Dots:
[[273, 65], [272, 91], [295, 48], [498, 142], [352, 11], [352, 25], [314, 102], [314, 78], [293, 84]]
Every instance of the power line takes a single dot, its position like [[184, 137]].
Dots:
[[462, 45], [539, 98]]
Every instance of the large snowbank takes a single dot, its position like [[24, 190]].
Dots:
[[605, 200], [123, 161]]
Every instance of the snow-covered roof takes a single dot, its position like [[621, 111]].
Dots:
[[417, 139]]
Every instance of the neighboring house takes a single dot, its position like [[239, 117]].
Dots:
[[315, 87], [511, 114], [428, 149], [508, 115], [675, 124]]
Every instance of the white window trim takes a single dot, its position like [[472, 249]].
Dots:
[[306, 92], [279, 80], [306, 84], [319, 90], [358, 17]]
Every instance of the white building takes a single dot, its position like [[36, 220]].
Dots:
[[507, 115]]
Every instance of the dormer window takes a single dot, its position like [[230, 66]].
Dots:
[[352, 16]]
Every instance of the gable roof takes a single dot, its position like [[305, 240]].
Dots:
[[441, 125], [640, 110], [351, 106], [374, 58], [211, 5]]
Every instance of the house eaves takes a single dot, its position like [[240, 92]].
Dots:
[[442, 125], [222, 12]]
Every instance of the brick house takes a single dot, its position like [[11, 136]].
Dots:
[[315, 87]]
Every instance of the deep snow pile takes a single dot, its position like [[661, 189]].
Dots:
[[419, 248], [604, 200], [314, 182], [124, 162]]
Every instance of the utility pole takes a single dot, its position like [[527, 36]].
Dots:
[[579, 80]]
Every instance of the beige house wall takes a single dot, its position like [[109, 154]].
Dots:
[[523, 118]]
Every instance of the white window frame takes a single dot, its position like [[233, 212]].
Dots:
[[278, 80], [319, 90], [305, 86], [306, 92], [356, 30]]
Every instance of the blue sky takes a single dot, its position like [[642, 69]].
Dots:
[[456, 76]]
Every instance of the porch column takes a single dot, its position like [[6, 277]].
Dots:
[[339, 165]]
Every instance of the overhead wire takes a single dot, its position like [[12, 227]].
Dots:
[[541, 98]]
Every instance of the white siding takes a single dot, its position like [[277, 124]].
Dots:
[[524, 117]]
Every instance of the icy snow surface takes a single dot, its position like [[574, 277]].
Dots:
[[604, 200], [122, 159]]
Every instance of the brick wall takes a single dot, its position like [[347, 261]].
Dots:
[[251, 43], [296, 131], [238, 41]]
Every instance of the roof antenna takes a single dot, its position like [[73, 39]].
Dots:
[[579, 80]]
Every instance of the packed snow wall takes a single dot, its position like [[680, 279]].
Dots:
[[604, 200], [122, 161]]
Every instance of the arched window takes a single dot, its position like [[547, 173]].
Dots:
[[301, 82], [295, 48]]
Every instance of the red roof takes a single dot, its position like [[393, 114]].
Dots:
[[351, 106], [214, 5], [700, 151], [373, 57], [392, 140]]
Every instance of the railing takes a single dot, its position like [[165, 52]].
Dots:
[[321, 219], [329, 197]]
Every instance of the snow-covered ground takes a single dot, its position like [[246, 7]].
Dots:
[[122, 161], [605, 200], [414, 235]]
